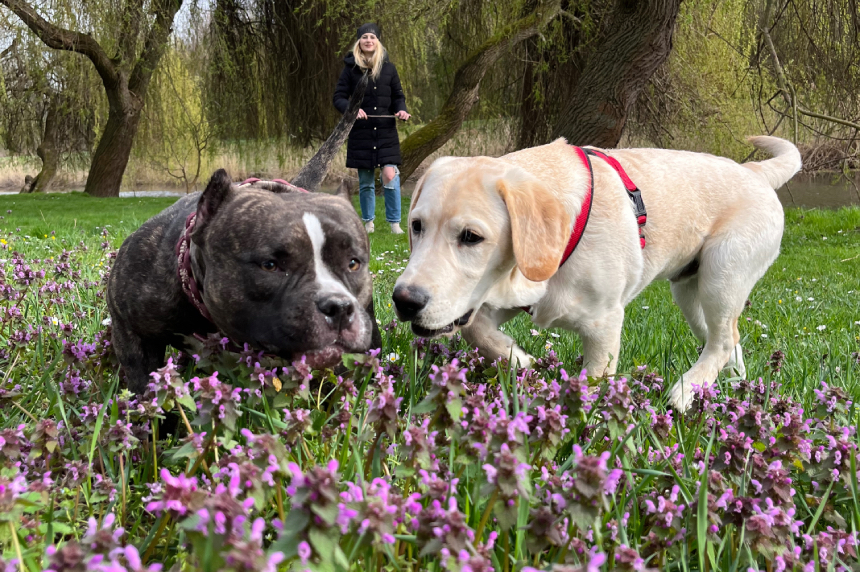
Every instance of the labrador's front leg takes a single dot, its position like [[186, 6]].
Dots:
[[484, 334]]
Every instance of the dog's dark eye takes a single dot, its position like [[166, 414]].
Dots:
[[354, 264], [469, 237], [269, 266], [416, 227]]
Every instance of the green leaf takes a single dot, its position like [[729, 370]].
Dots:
[[426, 406], [323, 544], [455, 409], [296, 522], [188, 402], [702, 513], [328, 513], [59, 528]]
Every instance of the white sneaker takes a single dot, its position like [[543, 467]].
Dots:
[[368, 226], [395, 228]]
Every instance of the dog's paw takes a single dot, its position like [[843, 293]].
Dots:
[[736, 367], [681, 396], [521, 358]]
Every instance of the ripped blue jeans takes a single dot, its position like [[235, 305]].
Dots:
[[367, 195]]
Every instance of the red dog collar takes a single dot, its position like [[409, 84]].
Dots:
[[582, 218]]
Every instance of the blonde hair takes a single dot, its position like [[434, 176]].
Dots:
[[374, 63]]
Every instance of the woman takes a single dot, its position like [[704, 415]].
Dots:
[[373, 142]]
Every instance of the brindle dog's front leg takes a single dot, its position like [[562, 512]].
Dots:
[[484, 334]]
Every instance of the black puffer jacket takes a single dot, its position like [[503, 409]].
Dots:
[[372, 142]]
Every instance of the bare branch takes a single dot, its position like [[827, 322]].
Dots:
[[785, 88], [467, 84], [63, 39]]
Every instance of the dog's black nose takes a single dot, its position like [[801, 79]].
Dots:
[[409, 301], [337, 307]]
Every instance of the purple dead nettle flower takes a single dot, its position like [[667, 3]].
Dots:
[[418, 447], [549, 429], [665, 519], [248, 554], [832, 402], [381, 511], [383, 410], [217, 401], [367, 364], [661, 424], [832, 457], [11, 502], [298, 377], [576, 396], [628, 560], [832, 543], [73, 474], [618, 402], [168, 389], [315, 493], [119, 437], [104, 488], [174, 495], [770, 528], [594, 561], [447, 392], [771, 480], [100, 550], [440, 528], [268, 453], [223, 511], [465, 561], [734, 451], [11, 443], [91, 413], [297, 421]]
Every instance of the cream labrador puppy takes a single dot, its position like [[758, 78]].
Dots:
[[488, 234]]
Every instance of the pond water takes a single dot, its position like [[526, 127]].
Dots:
[[826, 190]]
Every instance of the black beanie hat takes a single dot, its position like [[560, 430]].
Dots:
[[369, 28]]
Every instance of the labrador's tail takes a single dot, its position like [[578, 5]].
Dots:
[[784, 164]]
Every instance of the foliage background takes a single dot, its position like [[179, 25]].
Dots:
[[247, 84]]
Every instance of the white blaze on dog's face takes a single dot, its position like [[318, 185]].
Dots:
[[473, 221]]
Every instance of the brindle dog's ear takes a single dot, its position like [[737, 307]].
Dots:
[[217, 193], [344, 189]]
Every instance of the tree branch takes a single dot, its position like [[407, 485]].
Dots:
[[63, 39], [785, 88], [467, 83], [156, 42]]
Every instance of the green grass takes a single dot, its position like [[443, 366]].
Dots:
[[820, 259]]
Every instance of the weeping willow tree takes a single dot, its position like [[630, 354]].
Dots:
[[812, 51], [124, 43], [272, 68], [749, 67], [47, 106]]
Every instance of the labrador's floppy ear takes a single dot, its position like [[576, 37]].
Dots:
[[540, 226]]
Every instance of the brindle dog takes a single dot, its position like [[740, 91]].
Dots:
[[282, 270]]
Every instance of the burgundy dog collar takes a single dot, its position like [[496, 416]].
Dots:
[[186, 275]]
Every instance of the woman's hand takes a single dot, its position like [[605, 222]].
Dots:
[[361, 114], [402, 115]]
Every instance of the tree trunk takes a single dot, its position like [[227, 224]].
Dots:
[[113, 151], [125, 75], [467, 84], [49, 148], [638, 41]]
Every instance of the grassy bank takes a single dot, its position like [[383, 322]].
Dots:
[[424, 457]]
